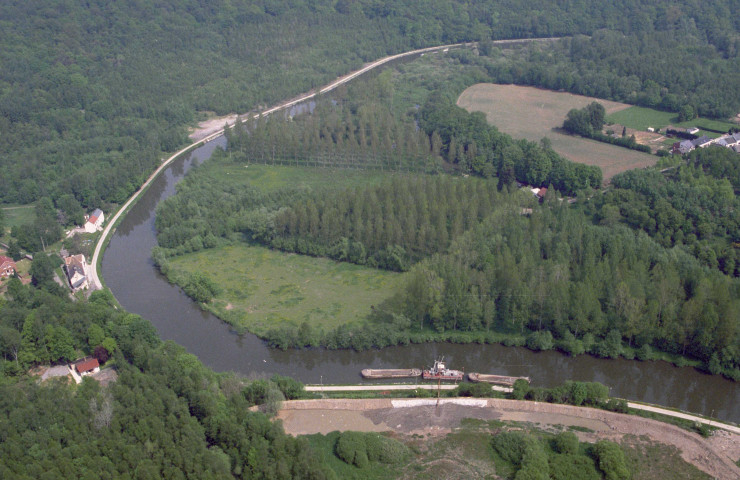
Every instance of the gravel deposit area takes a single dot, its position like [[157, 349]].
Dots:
[[715, 455]]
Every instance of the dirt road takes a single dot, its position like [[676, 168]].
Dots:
[[715, 455]]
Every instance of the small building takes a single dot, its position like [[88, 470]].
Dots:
[[702, 141], [95, 221], [87, 366], [75, 266], [7, 266], [650, 129], [692, 130], [682, 147]]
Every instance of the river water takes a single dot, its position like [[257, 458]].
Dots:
[[129, 272]]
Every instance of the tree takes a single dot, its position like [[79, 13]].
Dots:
[[686, 113], [42, 268]]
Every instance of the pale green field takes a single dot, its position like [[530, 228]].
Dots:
[[533, 113], [263, 288]]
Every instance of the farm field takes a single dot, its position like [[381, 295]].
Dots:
[[641, 118], [264, 288], [533, 113]]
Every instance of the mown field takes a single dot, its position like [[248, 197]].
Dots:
[[533, 113], [263, 288], [273, 177], [641, 118]]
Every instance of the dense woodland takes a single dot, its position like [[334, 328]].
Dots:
[[166, 416], [83, 112]]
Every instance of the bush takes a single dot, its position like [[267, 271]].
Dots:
[[572, 467], [520, 390], [351, 448], [511, 446], [360, 449], [566, 443], [474, 390], [611, 460], [384, 450], [540, 340]]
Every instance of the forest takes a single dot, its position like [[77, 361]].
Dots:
[[528, 275], [83, 112]]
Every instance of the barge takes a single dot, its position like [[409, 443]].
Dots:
[[495, 379], [390, 373], [439, 371]]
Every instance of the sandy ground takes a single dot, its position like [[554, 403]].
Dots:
[[213, 125], [534, 113], [715, 455]]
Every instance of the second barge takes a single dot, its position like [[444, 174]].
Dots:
[[495, 379], [390, 373]]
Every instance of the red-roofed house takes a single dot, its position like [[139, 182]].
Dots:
[[7, 266], [95, 221], [87, 366]]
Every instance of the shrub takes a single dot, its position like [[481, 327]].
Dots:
[[611, 460], [572, 467], [351, 448], [540, 340], [384, 450], [474, 390], [511, 446], [566, 443], [360, 449]]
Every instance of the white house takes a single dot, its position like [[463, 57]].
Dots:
[[95, 221], [75, 266]]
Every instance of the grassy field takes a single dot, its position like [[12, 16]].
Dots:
[[532, 113], [18, 215], [263, 288], [273, 177], [641, 118]]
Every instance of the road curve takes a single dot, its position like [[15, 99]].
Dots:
[[95, 282]]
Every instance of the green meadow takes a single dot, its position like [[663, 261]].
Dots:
[[263, 288], [273, 177], [641, 118]]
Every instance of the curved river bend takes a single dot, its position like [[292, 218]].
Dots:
[[138, 286]]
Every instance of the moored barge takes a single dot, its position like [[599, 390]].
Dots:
[[390, 373], [495, 379]]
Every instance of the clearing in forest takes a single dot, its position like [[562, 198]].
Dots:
[[533, 113], [265, 288]]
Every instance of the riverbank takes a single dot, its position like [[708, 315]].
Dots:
[[714, 455]]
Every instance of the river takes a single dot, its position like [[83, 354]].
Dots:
[[130, 274]]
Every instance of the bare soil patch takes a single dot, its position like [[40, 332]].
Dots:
[[213, 125], [533, 113], [715, 456]]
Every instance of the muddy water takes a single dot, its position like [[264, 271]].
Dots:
[[131, 275]]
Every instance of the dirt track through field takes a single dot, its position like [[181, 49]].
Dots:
[[715, 455], [534, 113]]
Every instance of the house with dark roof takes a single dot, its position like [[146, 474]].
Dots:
[[702, 141], [75, 266], [683, 147], [7, 266]]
